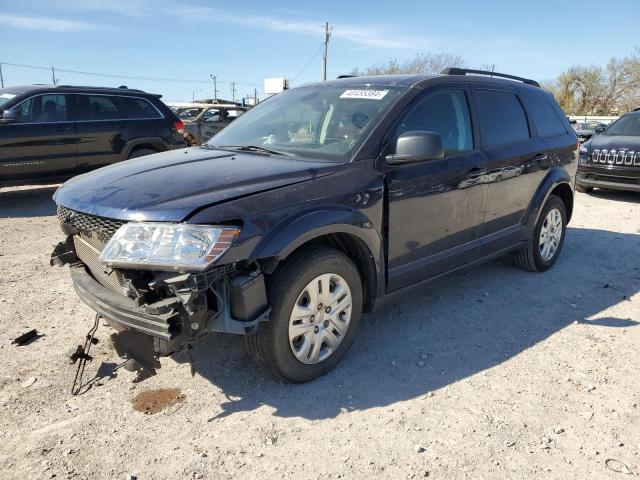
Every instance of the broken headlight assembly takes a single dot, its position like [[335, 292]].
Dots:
[[167, 246]]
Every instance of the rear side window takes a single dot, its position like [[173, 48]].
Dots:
[[547, 121], [43, 109], [139, 108], [98, 107], [502, 118], [446, 113]]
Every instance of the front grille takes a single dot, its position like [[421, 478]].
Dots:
[[112, 279], [98, 228], [93, 234], [615, 157]]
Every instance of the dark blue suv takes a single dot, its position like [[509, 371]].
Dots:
[[317, 205]]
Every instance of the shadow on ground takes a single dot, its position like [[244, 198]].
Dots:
[[29, 201], [617, 195], [456, 327]]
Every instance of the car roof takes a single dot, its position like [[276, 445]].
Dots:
[[205, 105], [75, 89], [416, 81]]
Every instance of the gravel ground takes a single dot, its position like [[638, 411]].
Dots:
[[488, 373]]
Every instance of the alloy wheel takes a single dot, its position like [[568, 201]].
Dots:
[[550, 234], [320, 318]]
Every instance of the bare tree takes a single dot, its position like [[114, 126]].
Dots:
[[421, 63], [595, 90]]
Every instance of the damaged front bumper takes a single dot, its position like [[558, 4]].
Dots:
[[173, 309]]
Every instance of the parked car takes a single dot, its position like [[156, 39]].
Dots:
[[50, 131], [612, 159], [585, 131], [316, 206], [203, 122]]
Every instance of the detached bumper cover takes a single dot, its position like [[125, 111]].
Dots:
[[119, 309]]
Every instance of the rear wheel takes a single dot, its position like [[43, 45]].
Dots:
[[548, 238], [141, 152], [583, 189], [316, 304]]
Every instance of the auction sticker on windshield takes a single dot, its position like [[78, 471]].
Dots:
[[370, 94]]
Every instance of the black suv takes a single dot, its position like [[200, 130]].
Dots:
[[611, 159], [314, 206], [50, 131]]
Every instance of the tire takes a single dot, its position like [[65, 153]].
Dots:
[[531, 258], [141, 152], [272, 347], [583, 189]]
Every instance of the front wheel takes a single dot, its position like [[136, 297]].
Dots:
[[548, 238], [316, 304]]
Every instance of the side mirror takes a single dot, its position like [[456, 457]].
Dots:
[[9, 116], [599, 129], [415, 146]]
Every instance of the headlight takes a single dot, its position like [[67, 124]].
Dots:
[[167, 246], [583, 149]]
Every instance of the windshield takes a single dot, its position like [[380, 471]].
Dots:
[[318, 122], [5, 97], [628, 124]]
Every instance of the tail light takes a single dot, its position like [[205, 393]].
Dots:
[[178, 125]]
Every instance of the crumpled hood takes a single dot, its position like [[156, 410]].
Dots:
[[615, 142], [169, 186]]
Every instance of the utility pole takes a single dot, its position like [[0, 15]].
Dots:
[[53, 75], [327, 34], [215, 87], [233, 91], [1, 77], [255, 96]]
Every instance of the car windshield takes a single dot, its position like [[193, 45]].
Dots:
[[628, 124], [319, 122]]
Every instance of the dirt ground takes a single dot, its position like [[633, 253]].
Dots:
[[489, 373]]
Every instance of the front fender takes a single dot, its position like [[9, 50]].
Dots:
[[555, 177], [283, 240]]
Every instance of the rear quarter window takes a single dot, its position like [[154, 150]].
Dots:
[[546, 119], [139, 108], [502, 118]]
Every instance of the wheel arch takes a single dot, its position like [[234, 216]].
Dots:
[[347, 231], [557, 182], [155, 144]]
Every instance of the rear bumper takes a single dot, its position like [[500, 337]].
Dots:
[[121, 310]]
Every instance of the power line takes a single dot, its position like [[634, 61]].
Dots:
[[113, 75], [308, 63]]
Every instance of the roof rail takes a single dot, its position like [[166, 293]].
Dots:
[[466, 71], [87, 87], [345, 76]]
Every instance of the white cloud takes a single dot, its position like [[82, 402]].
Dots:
[[42, 23], [369, 35]]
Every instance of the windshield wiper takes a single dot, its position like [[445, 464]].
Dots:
[[255, 148]]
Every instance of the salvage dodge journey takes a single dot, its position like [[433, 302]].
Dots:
[[316, 205]]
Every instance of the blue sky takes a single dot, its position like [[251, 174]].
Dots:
[[248, 41]]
